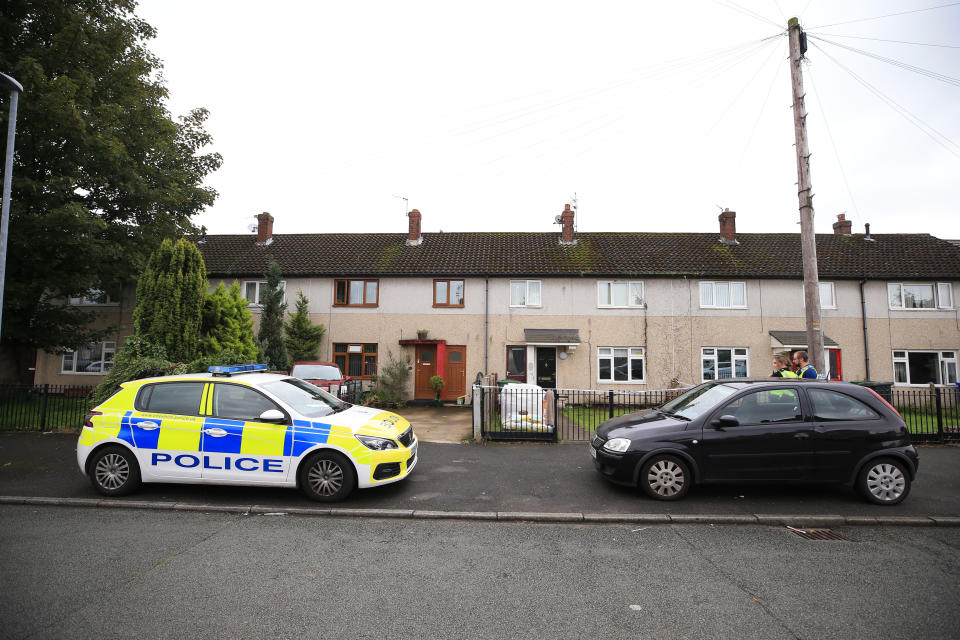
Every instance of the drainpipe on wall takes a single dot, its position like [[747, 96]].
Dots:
[[866, 341], [486, 325]]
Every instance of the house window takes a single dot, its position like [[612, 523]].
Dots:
[[619, 294], [357, 360], [723, 295], [253, 290], [517, 364], [95, 357], [722, 362], [356, 293], [828, 296], [920, 296], [93, 296], [620, 364], [448, 293], [524, 293], [925, 367]]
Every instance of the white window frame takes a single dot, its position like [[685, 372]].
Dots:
[[526, 294], [936, 287], [92, 297], [734, 358], [106, 347], [632, 354], [260, 284], [944, 295], [833, 294], [631, 286], [902, 356], [713, 294]]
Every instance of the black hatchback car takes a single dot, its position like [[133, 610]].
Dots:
[[740, 431]]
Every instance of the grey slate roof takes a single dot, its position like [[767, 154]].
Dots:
[[759, 255]]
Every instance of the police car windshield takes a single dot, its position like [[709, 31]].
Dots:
[[304, 398]]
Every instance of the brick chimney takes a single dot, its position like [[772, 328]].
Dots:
[[842, 227], [264, 228], [413, 237], [566, 221], [728, 227]]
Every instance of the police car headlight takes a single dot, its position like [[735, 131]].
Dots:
[[377, 444], [618, 445]]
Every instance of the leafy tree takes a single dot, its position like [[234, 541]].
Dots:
[[302, 336], [102, 171], [227, 325], [270, 337], [170, 296], [390, 384]]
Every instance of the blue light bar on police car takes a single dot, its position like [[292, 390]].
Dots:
[[236, 368]]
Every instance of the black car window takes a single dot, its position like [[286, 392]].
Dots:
[[239, 403], [180, 398], [765, 407], [833, 405]]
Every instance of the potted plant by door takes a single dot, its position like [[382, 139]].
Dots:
[[422, 334]]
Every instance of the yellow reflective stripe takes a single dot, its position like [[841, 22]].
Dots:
[[180, 434], [206, 402], [263, 439]]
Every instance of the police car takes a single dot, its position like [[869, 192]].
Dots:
[[243, 426]]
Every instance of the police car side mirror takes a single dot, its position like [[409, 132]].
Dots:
[[272, 415], [724, 421]]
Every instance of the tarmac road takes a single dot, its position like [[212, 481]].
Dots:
[[503, 479]]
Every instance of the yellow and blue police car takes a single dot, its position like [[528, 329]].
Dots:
[[243, 426]]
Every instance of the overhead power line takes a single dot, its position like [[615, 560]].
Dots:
[[934, 135], [730, 4], [918, 44], [889, 15], [897, 63]]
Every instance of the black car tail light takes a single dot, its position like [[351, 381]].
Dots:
[[884, 401], [90, 414]]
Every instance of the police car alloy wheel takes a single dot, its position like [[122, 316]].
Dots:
[[327, 477], [114, 471]]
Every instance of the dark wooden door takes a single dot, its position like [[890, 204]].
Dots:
[[456, 373], [426, 368]]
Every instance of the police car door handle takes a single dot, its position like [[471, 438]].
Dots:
[[148, 425], [216, 432]]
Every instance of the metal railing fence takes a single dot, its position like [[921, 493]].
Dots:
[[45, 407], [553, 415], [932, 414]]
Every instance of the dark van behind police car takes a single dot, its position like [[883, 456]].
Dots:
[[741, 431]]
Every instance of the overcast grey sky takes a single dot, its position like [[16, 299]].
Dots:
[[491, 116]]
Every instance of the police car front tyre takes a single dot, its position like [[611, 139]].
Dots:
[[114, 471], [327, 477]]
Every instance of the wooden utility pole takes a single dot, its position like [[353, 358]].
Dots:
[[808, 240]]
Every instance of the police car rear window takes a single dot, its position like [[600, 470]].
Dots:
[[181, 398]]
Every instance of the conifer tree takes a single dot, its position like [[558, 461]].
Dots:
[[273, 351], [302, 336], [227, 324], [170, 295]]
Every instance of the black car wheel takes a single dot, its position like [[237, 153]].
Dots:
[[114, 471], [884, 481], [327, 477], [665, 477]]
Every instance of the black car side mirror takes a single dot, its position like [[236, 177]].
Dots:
[[724, 421]]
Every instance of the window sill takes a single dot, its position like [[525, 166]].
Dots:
[[447, 306], [631, 382]]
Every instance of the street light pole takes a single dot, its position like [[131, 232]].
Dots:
[[15, 88]]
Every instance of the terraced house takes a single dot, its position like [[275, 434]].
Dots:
[[598, 310]]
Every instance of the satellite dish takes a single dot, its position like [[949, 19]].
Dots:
[[558, 220], [253, 226]]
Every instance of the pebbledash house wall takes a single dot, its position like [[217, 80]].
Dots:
[[671, 326]]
